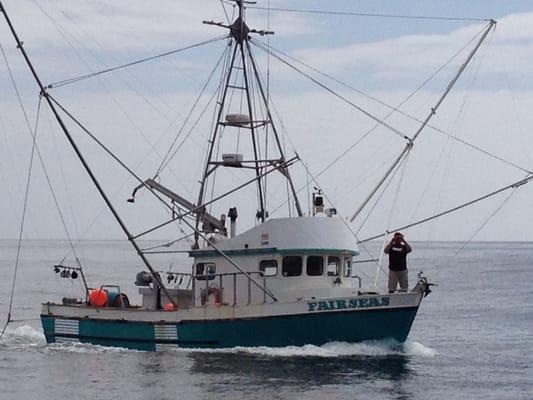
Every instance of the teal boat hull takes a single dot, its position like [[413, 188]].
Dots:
[[274, 331]]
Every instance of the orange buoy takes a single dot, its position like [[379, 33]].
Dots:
[[168, 307], [97, 297]]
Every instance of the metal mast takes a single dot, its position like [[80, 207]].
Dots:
[[241, 61]]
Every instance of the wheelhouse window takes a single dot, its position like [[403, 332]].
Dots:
[[315, 266], [347, 267], [292, 266], [334, 265], [268, 267], [205, 271]]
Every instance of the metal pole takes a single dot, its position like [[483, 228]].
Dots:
[[456, 208], [433, 111], [197, 208], [270, 119], [378, 267], [254, 143], [234, 288], [212, 143]]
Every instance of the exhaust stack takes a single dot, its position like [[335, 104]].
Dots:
[[232, 214]]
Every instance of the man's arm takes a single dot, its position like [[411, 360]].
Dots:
[[387, 248], [407, 247]]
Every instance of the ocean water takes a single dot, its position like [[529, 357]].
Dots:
[[472, 339]]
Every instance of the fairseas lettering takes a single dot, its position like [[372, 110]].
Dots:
[[346, 304]]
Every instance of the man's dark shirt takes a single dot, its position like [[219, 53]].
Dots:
[[398, 256]]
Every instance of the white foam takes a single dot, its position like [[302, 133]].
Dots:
[[84, 348], [334, 349], [418, 349], [28, 337], [23, 336]]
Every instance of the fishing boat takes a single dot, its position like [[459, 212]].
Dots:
[[288, 281]]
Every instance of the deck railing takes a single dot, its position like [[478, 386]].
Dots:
[[234, 278]]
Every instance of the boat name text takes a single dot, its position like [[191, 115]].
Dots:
[[347, 303]]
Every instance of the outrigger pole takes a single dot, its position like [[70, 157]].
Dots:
[[86, 166], [410, 141]]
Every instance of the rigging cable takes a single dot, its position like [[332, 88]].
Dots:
[[361, 14], [346, 224], [403, 167], [448, 163], [186, 120], [106, 149], [131, 63], [367, 95], [35, 150], [397, 108], [382, 193], [123, 110], [513, 185], [314, 179], [225, 11], [482, 225], [217, 92], [459, 140], [191, 129], [432, 113], [131, 238], [131, 172], [267, 105], [41, 160], [24, 207], [331, 91]]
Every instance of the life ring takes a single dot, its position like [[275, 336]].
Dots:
[[211, 290]]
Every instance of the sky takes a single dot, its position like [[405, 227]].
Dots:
[[138, 111]]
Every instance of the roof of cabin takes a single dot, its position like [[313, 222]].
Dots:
[[306, 234]]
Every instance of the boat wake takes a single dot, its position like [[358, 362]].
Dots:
[[342, 349], [378, 348], [26, 337]]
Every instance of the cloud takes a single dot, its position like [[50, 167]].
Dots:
[[132, 25], [320, 126], [510, 49]]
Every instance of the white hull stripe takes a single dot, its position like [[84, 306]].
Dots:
[[67, 326], [165, 332]]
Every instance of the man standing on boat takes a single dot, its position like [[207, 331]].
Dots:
[[397, 249]]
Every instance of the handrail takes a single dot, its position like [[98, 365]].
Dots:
[[220, 276]]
